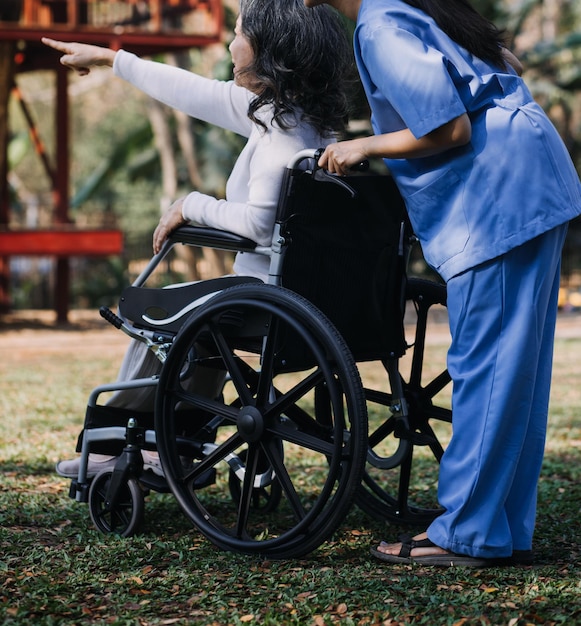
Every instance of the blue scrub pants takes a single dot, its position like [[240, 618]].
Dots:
[[502, 321]]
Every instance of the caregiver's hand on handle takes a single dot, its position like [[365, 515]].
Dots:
[[339, 158], [81, 56]]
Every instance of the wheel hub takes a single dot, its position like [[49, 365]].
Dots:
[[250, 424]]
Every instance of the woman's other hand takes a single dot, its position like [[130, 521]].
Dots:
[[168, 222], [81, 56]]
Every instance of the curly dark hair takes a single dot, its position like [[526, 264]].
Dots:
[[462, 23], [302, 60]]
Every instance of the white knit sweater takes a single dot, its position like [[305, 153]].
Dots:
[[253, 187]]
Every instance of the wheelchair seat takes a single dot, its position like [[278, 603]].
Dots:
[[164, 310]]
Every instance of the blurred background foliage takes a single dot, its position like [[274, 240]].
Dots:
[[132, 157]]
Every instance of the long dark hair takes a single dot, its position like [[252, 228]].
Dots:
[[462, 23], [302, 61]]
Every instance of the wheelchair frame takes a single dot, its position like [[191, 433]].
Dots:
[[262, 419]]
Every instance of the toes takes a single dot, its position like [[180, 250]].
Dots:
[[389, 548]]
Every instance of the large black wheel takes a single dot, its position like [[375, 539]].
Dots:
[[121, 516], [409, 426], [279, 356]]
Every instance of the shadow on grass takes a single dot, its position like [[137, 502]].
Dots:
[[56, 569]]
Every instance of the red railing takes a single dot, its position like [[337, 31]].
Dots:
[[196, 17], [61, 242]]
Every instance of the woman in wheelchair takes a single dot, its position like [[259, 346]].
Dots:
[[490, 189], [290, 70]]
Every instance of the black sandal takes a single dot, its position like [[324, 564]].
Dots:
[[448, 559]]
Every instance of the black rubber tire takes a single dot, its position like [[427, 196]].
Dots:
[[277, 349], [125, 517], [387, 490]]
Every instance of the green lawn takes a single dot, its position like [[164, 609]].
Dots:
[[56, 569]]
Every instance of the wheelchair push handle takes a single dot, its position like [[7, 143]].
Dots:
[[315, 153], [362, 166], [321, 174]]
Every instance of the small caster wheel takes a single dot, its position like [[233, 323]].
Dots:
[[125, 516]]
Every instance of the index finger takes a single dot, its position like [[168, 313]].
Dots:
[[61, 46]]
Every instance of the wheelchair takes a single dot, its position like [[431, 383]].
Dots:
[[272, 462]]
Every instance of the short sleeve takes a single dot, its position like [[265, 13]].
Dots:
[[412, 77]]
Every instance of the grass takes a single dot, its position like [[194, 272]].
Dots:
[[56, 569]]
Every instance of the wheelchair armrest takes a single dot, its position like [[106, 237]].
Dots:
[[212, 238]]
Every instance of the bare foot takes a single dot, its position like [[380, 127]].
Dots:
[[395, 548]]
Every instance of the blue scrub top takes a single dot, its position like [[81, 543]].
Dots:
[[515, 179]]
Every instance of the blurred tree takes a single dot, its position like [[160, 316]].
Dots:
[[128, 161], [547, 38], [131, 157]]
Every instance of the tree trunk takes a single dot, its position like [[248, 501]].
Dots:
[[6, 81], [169, 176]]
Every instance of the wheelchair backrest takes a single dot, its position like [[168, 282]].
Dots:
[[347, 256]]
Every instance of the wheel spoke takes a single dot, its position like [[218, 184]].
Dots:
[[435, 445], [288, 488], [436, 385], [204, 403], [440, 414], [220, 453], [386, 429], [231, 363], [284, 402], [303, 439], [247, 491], [270, 345]]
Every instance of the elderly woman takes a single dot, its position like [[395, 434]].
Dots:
[[290, 69]]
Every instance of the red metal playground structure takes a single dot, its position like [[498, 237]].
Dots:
[[142, 26]]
